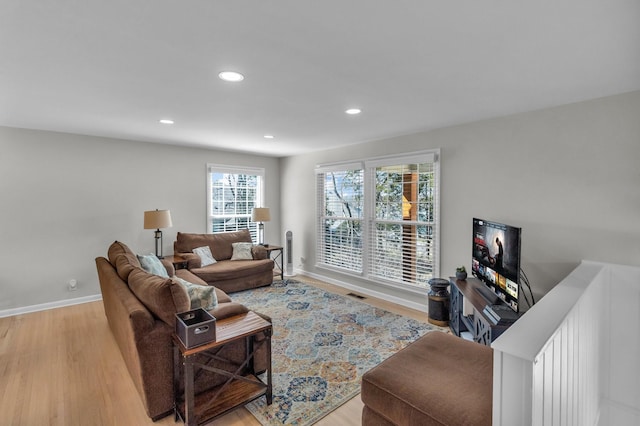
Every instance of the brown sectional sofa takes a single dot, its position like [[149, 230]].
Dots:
[[226, 274], [438, 380], [140, 309]]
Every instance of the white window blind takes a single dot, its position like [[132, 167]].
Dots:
[[341, 194], [379, 218], [232, 193], [403, 245]]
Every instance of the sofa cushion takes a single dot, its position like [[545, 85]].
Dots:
[[201, 296], [162, 296], [241, 251], [125, 263], [219, 243], [152, 265], [222, 296], [117, 248], [204, 253], [187, 275], [233, 269], [229, 309]]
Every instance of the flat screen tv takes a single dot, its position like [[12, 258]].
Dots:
[[496, 259]]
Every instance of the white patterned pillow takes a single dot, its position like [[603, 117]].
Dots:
[[152, 265], [201, 296], [206, 258], [242, 251]]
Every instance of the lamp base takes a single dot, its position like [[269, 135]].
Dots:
[[158, 237]]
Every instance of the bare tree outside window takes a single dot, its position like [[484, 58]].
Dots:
[[342, 219]]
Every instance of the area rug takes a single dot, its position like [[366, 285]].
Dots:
[[322, 344]]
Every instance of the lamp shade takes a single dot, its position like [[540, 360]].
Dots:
[[156, 219], [261, 214]]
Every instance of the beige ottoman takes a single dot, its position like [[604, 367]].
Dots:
[[440, 379]]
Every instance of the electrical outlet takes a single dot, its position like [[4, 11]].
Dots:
[[73, 284]]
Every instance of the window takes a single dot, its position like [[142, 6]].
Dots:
[[232, 193], [340, 237], [379, 218]]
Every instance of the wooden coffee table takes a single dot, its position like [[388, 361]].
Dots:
[[242, 385]]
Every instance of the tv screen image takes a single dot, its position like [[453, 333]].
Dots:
[[496, 258]]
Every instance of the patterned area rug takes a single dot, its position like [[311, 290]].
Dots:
[[322, 344]]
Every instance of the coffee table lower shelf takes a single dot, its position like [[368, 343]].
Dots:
[[209, 406]]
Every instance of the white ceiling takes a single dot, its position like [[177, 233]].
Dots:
[[114, 68]]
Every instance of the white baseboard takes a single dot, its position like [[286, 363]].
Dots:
[[49, 305], [86, 299], [422, 307]]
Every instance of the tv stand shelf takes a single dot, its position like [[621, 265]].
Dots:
[[467, 312]]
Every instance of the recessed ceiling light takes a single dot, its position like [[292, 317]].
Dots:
[[268, 136], [353, 111], [166, 121], [231, 76]]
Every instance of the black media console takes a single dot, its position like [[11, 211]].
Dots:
[[484, 317]]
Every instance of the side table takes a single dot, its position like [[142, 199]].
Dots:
[[278, 250], [178, 262], [242, 385]]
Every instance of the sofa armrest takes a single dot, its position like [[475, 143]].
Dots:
[[171, 270], [193, 260], [259, 252]]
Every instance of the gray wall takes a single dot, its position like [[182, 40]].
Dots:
[[569, 176], [66, 197]]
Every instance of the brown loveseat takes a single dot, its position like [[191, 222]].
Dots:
[[140, 309], [226, 274]]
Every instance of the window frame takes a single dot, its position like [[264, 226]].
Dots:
[[369, 165], [321, 172], [236, 170]]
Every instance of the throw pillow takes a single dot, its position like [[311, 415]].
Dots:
[[242, 251], [201, 296], [206, 258], [152, 265], [125, 263], [117, 248], [162, 296]]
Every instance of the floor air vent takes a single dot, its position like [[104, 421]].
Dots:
[[357, 296]]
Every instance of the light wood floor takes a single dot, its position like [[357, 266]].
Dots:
[[63, 367]]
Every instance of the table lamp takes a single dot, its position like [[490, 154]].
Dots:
[[261, 215], [156, 219]]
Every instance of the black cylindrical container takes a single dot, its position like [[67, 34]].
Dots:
[[439, 302]]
